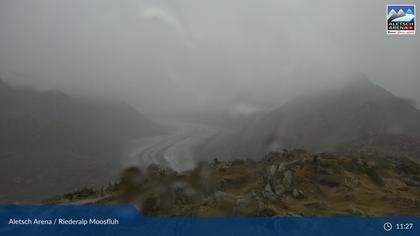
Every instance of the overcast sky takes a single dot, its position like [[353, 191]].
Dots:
[[165, 56]]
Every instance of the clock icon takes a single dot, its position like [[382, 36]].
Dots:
[[387, 226]]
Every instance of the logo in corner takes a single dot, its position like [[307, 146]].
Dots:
[[401, 18]]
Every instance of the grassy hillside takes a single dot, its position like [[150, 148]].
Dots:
[[294, 183]]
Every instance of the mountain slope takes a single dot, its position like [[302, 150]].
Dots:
[[332, 120], [50, 141]]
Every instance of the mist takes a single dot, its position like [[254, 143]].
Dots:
[[168, 58]]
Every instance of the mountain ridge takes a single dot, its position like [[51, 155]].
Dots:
[[327, 120], [51, 136]]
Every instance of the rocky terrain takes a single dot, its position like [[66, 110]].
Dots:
[[290, 183]]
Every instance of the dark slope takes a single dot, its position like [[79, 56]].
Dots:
[[342, 119], [51, 142]]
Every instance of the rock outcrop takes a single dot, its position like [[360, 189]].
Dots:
[[291, 183]]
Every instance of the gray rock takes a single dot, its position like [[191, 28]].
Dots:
[[183, 193], [351, 182], [327, 171], [288, 178], [268, 189], [220, 196], [281, 167], [272, 170], [151, 205], [279, 189], [412, 183], [242, 204], [268, 192], [298, 194]]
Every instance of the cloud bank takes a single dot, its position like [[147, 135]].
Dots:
[[192, 56]]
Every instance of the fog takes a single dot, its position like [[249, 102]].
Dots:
[[190, 56]]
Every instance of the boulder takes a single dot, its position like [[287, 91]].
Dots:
[[287, 178], [298, 194]]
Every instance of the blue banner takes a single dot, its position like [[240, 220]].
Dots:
[[103, 220]]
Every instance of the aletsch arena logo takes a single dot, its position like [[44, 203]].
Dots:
[[401, 19]]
